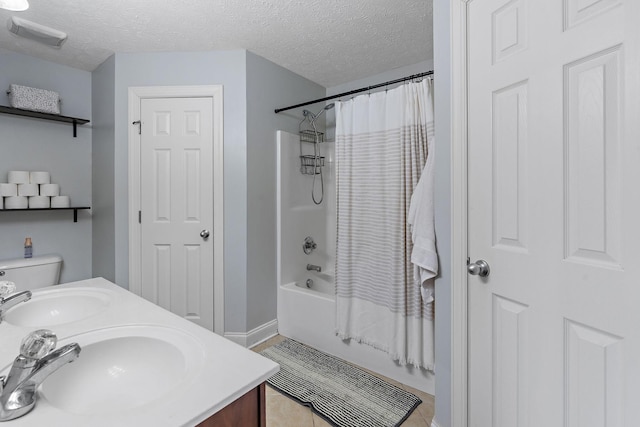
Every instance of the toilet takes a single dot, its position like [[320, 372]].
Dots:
[[31, 273]]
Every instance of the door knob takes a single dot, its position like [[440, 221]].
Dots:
[[478, 268], [204, 234]]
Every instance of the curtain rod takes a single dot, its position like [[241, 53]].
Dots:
[[351, 92]]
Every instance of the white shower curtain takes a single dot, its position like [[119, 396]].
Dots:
[[383, 141]]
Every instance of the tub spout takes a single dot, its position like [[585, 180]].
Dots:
[[311, 267]]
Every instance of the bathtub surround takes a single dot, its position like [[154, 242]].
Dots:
[[381, 150], [339, 392]]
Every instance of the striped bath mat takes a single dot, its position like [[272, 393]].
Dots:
[[342, 394]]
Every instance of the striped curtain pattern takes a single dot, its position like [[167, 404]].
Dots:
[[382, 145]]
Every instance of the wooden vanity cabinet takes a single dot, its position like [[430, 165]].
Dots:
[[246, 411]]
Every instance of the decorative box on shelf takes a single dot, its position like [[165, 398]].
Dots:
[[33, 99]]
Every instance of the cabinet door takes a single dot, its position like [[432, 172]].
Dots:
[[247, 411]]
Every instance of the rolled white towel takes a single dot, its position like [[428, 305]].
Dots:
[[28, 190], [7, 190]]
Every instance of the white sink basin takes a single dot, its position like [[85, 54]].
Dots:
[[59, 306], [123, 368]]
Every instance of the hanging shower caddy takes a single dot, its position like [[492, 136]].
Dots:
[[310, 164], [310, 136]]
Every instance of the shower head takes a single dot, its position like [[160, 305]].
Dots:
[[312, 116]]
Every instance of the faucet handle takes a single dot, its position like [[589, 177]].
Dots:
[[38, 344]]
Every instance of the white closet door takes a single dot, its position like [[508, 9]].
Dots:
[[177, 206]]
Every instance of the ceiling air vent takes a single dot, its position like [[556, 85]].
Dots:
[[37, 32]]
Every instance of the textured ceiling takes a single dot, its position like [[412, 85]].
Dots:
[[327, 41]]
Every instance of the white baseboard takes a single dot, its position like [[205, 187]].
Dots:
[[434, 423], [254, 336]]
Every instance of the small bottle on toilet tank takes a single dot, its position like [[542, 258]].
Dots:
[[28, 248]]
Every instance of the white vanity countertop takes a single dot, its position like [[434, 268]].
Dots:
[[224, 370]]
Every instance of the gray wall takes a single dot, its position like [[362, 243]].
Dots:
[[103, 101], [32, 144], [193, 68], [442, 64], [253, 87], [268, 86]]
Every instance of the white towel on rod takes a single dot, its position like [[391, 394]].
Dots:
[[421, 218]]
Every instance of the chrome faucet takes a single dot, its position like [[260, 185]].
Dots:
[[37, 360], [309, 245], [11, 300], [314, 267]]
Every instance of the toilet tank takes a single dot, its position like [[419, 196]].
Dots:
[[31, 273]]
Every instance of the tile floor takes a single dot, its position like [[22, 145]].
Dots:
[[284, 412]]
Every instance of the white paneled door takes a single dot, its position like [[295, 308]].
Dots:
[[176, 204], [554, 208]]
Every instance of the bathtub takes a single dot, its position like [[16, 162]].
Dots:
[[308, 315], [321, 285]]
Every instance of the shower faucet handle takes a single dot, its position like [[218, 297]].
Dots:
[[309, 245]]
